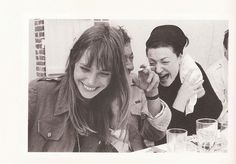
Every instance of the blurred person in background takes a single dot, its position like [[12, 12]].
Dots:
[[149, 115], [218, 76]]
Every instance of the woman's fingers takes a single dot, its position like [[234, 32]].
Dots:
[[187, 78], [198, 89], [198, 85], [200, 92], [135, 80], [195, 78], [150, 76], [154, 82], [188, 89]]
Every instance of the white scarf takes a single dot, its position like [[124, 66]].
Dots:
[[188, 64]]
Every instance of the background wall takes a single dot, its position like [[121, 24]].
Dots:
[[205, 40], [60, 35], [32, 56]]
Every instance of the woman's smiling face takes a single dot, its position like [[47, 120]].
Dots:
[[165, 63], [90, 80]]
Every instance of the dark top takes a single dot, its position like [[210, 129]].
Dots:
[[207, 106]]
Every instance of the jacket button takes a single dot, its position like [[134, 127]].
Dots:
[[49, 134]]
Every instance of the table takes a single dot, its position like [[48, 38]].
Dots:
[[191, 145]]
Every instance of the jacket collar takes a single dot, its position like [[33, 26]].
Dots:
[[62, 104]]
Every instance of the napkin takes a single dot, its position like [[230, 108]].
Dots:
[[188, 64], [119, 139]]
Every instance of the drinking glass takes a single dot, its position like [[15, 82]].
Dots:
[[206, 133], [176, 140], [223, 137]]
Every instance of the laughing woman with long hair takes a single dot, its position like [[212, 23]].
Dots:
[[74, 113]]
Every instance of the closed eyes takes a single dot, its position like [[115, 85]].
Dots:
[[105, 73], [87, 69], [154, 63], [165, 62]]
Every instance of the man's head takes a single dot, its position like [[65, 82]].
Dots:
[[127, 51], [225, 43]]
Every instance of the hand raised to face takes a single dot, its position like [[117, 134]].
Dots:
[[147, 80], [191, 86]]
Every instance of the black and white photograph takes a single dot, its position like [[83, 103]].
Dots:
[[118, 81], [101, 85]]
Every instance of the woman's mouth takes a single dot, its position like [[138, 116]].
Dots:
[[164, 77], [89, 88]]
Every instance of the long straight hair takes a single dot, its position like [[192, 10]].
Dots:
[[105, 46]]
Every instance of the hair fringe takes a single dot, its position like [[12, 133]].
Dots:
[[97, 120]]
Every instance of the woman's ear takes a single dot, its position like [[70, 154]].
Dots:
[[180, 55], [180, 58]]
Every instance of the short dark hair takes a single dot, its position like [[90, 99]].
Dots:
[[167, 36], [125, 35], [225, 42]]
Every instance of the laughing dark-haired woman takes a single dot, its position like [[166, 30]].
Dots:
[[184, 85]]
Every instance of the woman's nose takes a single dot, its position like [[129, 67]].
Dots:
[[129, 64], [92, 78], [158, 68]]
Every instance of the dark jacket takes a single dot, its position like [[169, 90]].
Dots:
[[50, 128], [49, 125]]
